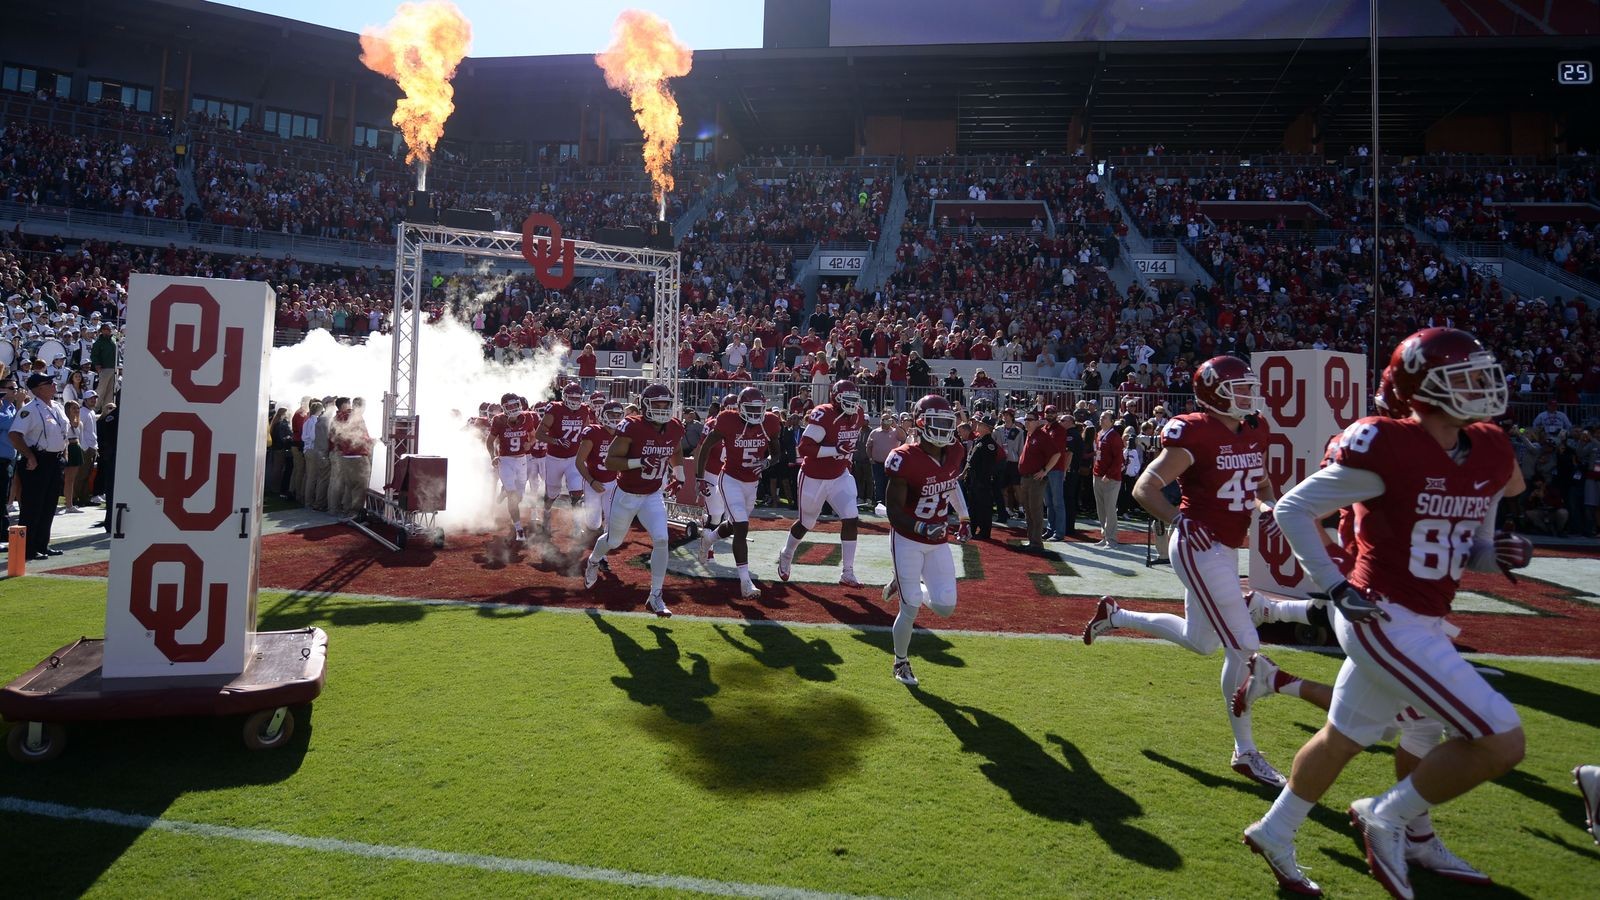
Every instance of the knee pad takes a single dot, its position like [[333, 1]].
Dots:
[[943, 610], [1419, 736]]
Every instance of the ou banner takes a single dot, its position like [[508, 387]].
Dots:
[[1308, 396], [186, 529]]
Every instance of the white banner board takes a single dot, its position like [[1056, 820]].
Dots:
[[842, 262], [1309, 396], [186, 536]]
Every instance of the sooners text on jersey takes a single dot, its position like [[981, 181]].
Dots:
[[839, 431], [928, 483], [512, 436], [745, 447], [653, 446], [565, 427], [599, 438], [1219, 489], [1414, 539]]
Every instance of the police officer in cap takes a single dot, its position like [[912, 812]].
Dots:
[[985, 464], [39, 434]]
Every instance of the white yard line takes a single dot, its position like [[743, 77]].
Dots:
[[536, 867], [840, 626]]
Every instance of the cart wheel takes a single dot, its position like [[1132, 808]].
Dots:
[[692, 530], [269, 729], [36, 742]]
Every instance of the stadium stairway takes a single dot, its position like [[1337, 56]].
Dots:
[[881, 265], [692, 216], [1136, 244], [1518, 271]]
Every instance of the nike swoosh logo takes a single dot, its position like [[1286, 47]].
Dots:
[[1478, 485]]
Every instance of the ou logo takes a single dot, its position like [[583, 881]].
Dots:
[[1342, 391], [1279, 557], [175, 476], [1279, 389]]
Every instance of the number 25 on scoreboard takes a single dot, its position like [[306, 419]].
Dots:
[[1575, 72]]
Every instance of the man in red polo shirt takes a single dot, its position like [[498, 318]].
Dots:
[[1039, 456], [1108, 448]]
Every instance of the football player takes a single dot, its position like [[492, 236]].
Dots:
[[708, 468], [536, 458], [827, 453], [559, 430], [1218, 458], [1588, 780], [510, 434], [1425, 490], [647, 455], [1418, 733], [744, 441], [593, 445], [924, 486]]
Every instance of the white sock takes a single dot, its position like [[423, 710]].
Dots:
[[1287, 814], [658, 565], [848, 549], [1400, 803], [1421, 827], [791, 545], [1162, 625], [902, 629], [1291, 611], [599, 551], [744, 575], [1235, 665]]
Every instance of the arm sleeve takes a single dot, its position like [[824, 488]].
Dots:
[[1300, 513], [811, 442], [1483, 557]]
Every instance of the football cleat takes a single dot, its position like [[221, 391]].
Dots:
[[655, 604], [708, 539], [1260, 609], [891, 590], [1386, 848], [1588, 780], [1430, 853], [591, 572], [518, 534], [1252, 765], [1280, 859], [785, 560], [1259, 678], [605, 565], [902, 673], [848, 578], [749, 592], [1101, 623]]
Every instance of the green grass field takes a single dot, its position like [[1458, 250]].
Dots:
[[757, 755]]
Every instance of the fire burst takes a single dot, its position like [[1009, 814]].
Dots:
[[643, 54], [420, 49]]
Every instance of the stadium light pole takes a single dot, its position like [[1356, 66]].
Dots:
[[1377, 212]]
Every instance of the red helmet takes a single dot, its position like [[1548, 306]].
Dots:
[[597, 401], [730, 400], [1226, 386], [1447, 370], [846, 396], [1387, 401], [611, 414], [657, 403], [936, 419], [572, 395], [752, 405], [511, 403]]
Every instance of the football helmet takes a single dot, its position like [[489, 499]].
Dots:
[[752, 405], [511, 403], [657, 403], [1226, 386], [597, 401], [611, 414], [846, 397], [1448, 370], [572, 395], [937, 420], [1386, 401], [730, 400]]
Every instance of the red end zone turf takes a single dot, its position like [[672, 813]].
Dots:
[[1001, 588]]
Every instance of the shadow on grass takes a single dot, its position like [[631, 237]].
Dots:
[[1328, 818], [1563, 701], [1563, 800], [1423, 882], [925, 645], [1064, 790], [770, 735], [131, 767], [777, 647], [655, 675], [1585, 850]]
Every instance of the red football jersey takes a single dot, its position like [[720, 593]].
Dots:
[[928, 483], [1347, 516], [564, 426], [599, 438], [653, 446], [1219, 489], [537, 448], [744, 449], [512, 436], [838, 431], [1414, 539]]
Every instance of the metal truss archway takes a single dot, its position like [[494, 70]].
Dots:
[[400, 419]]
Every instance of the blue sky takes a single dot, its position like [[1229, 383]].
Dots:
[[541, 27]]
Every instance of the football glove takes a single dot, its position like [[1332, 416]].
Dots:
[[963, 533], [1512, 551], [1192, 532], [1270, 532], [933, 530], [1356, 605], [705, 488]]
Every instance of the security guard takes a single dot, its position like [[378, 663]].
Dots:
[[39, 435], [985, 465]]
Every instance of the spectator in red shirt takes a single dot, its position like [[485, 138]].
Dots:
[[588, 367], [1108, 464], [1039, 456]]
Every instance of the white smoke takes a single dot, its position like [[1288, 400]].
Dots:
[[453, 377]]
